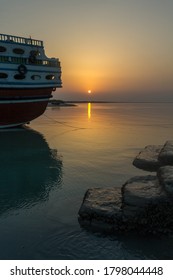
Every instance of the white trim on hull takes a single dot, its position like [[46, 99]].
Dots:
[[23, 101], [11, 125]]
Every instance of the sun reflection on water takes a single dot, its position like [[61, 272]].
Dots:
[[89, 111]]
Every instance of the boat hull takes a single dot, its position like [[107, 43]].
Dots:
[[14, 93], [19, 107]]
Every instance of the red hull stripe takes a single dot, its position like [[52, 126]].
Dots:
[[13, 114], [16, 93]]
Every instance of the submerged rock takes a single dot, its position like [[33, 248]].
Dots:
[[147, 159]]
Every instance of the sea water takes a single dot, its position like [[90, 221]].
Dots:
[[46, 168]]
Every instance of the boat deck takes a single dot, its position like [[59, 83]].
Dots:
[[20, 40]]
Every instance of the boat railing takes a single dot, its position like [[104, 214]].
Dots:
[[24, 60], [20, 40]]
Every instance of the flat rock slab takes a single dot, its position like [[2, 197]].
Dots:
[[141, 205], [101, 207], [165, 176], [147, 159]]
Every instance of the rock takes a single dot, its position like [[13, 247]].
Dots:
[[138, 193], [146, 208], [152, 157], [147, 159], [165, 156], [144, 204], [141, 205], [101, 207], [165, 176]]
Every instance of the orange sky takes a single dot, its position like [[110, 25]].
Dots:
[[121, 50]]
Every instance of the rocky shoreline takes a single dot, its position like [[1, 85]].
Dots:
[[143, 204]]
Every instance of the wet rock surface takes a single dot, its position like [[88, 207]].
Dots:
[[101, 207], [152, 157], [146, 207], [138, 193], [147, 159], [165, 176], [144, 204], [166, 154]]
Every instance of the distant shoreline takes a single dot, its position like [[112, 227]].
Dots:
[[55, 102], [60, 103]]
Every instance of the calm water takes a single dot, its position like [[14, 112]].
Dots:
[[45, 171]]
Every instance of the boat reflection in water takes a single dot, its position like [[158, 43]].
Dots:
[[29, 169]]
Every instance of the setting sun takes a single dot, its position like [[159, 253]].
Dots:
[[89, 91]]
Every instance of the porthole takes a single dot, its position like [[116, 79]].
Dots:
[[19, 77], [35, 77], [2, 49], [50, 77], [3, 75], [18, 51]]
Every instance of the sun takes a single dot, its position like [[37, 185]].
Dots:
[[89, 91]]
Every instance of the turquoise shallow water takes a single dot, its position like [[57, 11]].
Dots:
[[46, 168]]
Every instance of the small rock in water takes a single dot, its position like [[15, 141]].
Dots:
[[147, 159], [101, 207]]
